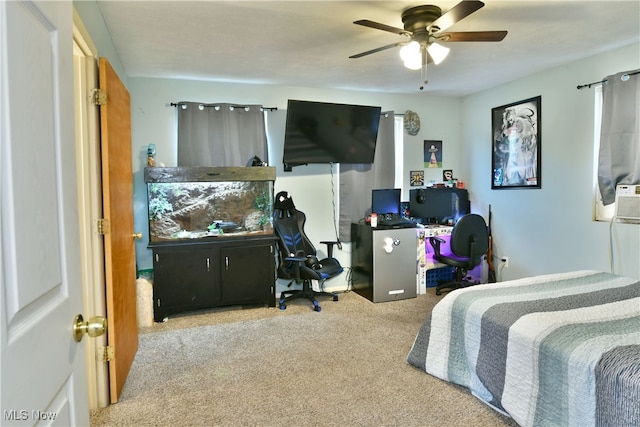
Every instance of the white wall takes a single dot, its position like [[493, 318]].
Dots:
[[551, 229], [314, 187], [542, 231], [95, 25]]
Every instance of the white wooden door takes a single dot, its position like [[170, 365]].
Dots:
[[43, 368]]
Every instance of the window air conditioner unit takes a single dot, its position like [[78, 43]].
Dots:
[[628, 202]]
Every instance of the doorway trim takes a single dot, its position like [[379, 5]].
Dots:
[[87, 129]]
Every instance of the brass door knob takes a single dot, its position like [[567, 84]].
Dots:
[[137, 236], [96, 326]]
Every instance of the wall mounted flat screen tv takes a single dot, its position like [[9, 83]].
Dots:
[[321, 132]]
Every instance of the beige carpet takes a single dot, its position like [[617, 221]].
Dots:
[[344, 366]]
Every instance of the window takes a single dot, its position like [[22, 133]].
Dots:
[[398, 133]]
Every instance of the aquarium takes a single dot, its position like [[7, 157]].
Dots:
[[208, 203]]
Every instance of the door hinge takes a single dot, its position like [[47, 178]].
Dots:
[[98, 97], [108, 353], [104, 226]]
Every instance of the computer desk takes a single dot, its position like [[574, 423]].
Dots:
[[425, 255], [386, 275], [383, 265]]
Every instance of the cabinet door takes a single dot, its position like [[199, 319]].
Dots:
[[247, 274], [183, 281], [394, 264]]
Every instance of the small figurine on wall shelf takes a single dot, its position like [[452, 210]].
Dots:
[[151, 155]]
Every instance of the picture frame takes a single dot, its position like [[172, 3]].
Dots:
[[516, 145], [432, 154], [416, 178]]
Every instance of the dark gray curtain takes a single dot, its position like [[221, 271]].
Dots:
[[220, 134], [357, 180], [619, 158]]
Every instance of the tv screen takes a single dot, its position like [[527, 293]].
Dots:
[[320, 132], [385, 201]]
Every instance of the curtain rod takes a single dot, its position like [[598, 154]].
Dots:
[[176, 104], [588, 85]]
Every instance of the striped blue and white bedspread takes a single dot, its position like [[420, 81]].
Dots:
[[552, 350]]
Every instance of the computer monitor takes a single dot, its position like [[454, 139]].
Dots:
[[385, 201], [433, 205]]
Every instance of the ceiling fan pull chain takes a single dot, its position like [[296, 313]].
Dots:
[[423, 74]]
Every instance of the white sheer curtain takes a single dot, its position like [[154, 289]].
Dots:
[[619, 158], [357, 180], [220, 134]]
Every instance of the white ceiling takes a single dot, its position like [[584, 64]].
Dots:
[[308, 43]]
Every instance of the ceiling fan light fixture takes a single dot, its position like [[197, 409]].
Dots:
[[411, 55], [424, 25], [413, 63], [410, 51], [438, 52]]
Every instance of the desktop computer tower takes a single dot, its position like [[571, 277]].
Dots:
[[383, 262]]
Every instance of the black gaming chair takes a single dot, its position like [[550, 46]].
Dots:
[[298, 261], [469, 242]]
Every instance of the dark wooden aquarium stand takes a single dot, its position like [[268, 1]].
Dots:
[[195, 269]]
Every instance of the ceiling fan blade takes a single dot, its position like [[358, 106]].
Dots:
[[472, 36], [379, 26], [369, 52], [457, 13]]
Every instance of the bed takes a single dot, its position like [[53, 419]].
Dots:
[[551, 350]]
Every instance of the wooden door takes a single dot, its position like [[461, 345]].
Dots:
[[43, 368], [119, 248]]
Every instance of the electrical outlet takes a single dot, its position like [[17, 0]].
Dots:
[[505, 261]]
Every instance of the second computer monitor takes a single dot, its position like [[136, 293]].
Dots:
[[385, 201], [438, 204]]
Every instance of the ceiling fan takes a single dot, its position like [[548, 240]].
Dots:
[[425, 26]]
